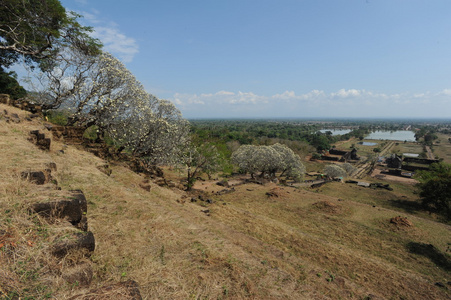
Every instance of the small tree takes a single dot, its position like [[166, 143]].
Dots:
[[200, 159]]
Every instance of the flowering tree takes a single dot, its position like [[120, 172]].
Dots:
[[334, 171], [153, 129], [99, 90], [349, 169], [268, 160]]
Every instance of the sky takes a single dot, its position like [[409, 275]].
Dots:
[[283, 58]]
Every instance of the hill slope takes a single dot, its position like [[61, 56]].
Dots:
[[292, 243]]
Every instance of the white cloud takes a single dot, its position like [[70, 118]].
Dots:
[[117, 43], [341, 103], [445, 92], [108, 32], [347, 93]]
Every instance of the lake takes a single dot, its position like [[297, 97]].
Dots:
[[400, 135], [368, 144], [336, 131]]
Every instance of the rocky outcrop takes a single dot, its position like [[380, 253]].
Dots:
[[39, 139], [22, 104], [70, 134]]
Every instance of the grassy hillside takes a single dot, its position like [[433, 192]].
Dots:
[[333, 243]]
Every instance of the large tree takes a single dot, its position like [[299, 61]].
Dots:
[[268, 160], [36, 30]]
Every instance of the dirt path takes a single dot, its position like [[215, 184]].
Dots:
[[429, 153]]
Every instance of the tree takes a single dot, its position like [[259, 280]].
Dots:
[[97, 89], [9, 85], [268, 160], [334, 171], [199, 159], [435, 188], [153, 129], [291, 164], [36, 29], [349, 169]]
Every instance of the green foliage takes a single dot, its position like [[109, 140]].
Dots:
[[200, 158], [435, 188], [57, 117], [36, 29], [91, 133], [9, 85]]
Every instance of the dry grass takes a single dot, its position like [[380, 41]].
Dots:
[[443, 149], [300, 245]]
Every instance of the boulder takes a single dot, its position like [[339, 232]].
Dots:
[[73, 210]]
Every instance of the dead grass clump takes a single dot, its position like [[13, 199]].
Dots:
[[401, 222], [328, 207]]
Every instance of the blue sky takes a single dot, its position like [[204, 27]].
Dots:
[[283, 58]]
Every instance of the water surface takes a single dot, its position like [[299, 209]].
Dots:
[[400, 135]]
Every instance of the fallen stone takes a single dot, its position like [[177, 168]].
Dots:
[[73, 210]]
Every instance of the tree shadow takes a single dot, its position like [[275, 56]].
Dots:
[[438, 258], [408, 206]]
